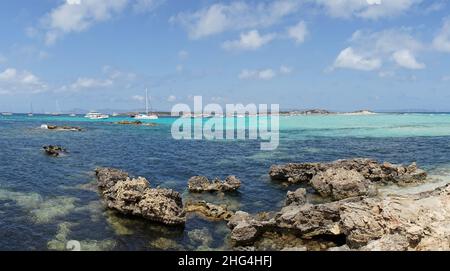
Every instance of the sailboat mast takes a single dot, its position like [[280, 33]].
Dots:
[[146, 101]]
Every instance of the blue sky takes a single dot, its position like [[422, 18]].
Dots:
[[340, 55]]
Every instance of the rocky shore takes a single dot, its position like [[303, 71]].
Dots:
[[61, 128], [353, 216]]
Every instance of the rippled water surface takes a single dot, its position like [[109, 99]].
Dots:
[[44, 201]]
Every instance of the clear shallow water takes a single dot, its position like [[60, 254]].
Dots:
[[45, 202]]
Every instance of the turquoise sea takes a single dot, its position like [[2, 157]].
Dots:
[[45, 201]]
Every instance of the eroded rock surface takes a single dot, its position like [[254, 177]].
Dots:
[[368, 168], [407, 222], [297, 197], [339, 183], [246, 228], [136, 197], [200, 184]]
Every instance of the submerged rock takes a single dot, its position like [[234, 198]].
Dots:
[[163, 243], [368, 168], [200, 184], [339, 183], [126, 122], [245, 229], [54, 151], [135, 197], [209, 210], [61, 128], [201, 236]]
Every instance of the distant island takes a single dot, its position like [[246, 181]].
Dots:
[[326, 112]]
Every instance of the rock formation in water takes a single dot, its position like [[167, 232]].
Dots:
[[61, 128], [298, 197], [137, 123], [133, 196], [54, 151], [408, 222], [347, 178], [200, 184], [246, 228], [208, 210]]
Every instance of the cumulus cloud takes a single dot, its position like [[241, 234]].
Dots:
[[249, 41], [347, 58], [111, 77], [367, 9], [13, 80], [405, 59], [298, 32], [442, 40], [370, 50], [79, 15], [220, 17]]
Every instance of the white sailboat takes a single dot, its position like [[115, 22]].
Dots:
[[58, 110], [31, 111], [148, 115]]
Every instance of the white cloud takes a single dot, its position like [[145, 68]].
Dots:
[[369, 50], [237, 15], [111, 78], [90, 83], [298, 32], [138, 98], [405, 59], [347, 58], [442, 40], [172, 98], [12, 80], [265, 74], [248, 41], [79, 15], [285, 70], [367, 9]]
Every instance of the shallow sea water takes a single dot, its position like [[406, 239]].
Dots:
[[45, 201]]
